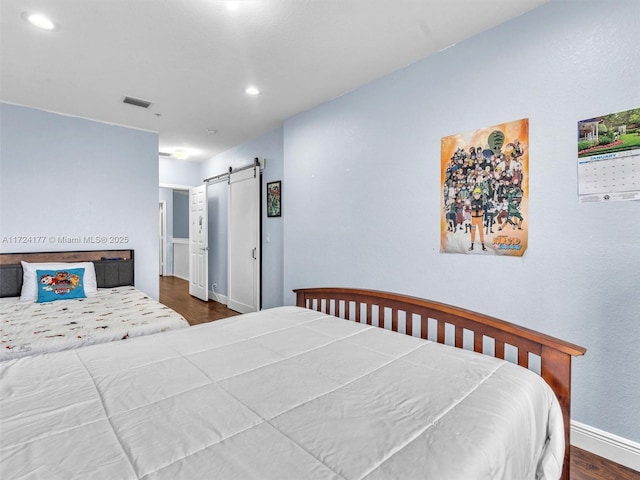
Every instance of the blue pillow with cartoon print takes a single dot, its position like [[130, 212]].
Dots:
[[60, 284]]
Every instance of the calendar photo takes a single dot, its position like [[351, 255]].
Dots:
[[609, 157]]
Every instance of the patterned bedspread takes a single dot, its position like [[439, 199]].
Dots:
[[113, 314]]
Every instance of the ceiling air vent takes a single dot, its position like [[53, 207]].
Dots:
[[137, 102]]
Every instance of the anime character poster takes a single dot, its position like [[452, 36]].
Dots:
[[485, 190]]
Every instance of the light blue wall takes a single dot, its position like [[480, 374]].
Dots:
[[181, 213], [268, 147], [179, 174], [66, 176], [272, 227], [362, 196]]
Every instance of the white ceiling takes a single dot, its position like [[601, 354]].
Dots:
[[194, 58]]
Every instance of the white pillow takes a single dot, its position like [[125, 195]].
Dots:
[[29, 291]]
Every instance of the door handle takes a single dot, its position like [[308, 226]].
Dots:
[[253, 253]]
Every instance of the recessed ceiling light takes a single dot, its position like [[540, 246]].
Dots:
[[39, 20], [252, 91], [233, 6]]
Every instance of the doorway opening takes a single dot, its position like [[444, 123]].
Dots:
[[163, 235]]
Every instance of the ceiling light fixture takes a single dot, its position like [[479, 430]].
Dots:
[[252, 91], [233, 6], [180, 154], [39, 20]]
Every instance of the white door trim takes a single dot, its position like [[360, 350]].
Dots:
[[163, 238]]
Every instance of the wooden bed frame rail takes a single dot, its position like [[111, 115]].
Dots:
[[438, 320]]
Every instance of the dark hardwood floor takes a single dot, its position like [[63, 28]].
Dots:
[[174, 292], [587, 466]]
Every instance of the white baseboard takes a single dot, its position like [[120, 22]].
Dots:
[[607, 445], [217, 297]]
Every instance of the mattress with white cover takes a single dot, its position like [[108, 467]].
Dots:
[[286, 393], [29, 328]]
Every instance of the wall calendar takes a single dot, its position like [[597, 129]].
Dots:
[[609, 157]]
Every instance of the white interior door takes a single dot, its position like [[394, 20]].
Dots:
[[198, 243], [244, 241]]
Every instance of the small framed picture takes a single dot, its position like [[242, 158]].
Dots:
[[274, 199]]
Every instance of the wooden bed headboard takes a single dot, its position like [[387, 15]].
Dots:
[[114, 268], [457, 327]]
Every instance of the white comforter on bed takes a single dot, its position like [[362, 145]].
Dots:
[[28, 328], [281, 394]]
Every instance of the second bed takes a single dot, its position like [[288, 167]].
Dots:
[[113, 310]]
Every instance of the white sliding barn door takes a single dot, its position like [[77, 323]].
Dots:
[[244, 241], [198, 243]]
